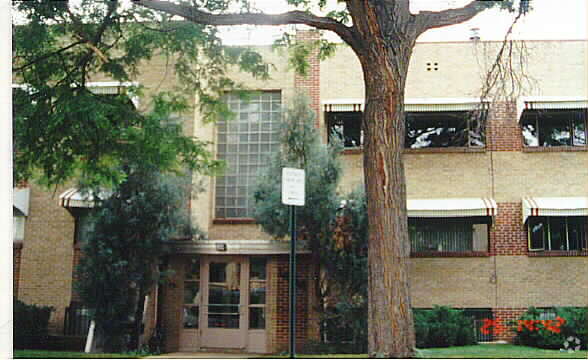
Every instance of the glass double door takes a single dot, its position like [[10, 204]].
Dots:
[[225, 289]]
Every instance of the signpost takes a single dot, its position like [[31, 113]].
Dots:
[[292, 195]]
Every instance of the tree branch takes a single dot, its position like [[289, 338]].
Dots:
[[193, 14], [434, 19]]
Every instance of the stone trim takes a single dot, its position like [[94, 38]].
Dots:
[[456, 149], [435, 254], [544, 149], [557, 253], [233, 221]]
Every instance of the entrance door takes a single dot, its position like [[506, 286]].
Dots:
[[224, 323]]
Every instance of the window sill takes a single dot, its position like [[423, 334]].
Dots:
[[359, 150], [352, 151], [233, 221], [445, 150], [558, 253], [432, 254], [542, 149]]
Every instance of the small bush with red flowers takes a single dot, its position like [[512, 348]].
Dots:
[[551, 330]]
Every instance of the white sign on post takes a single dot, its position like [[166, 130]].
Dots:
[[293, 186]]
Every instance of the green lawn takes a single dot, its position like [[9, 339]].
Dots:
[[45, 354], [489, 351], [498, 351]]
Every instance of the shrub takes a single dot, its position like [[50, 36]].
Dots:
[[30, 324], [533, 331], [443, 327]]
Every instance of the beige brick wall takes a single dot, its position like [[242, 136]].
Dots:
[[461, 66], [458, 282], [47, 255], [553, 281], [519, 174]]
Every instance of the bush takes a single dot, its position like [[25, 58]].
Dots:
[[533, 331], [30, 324], [443, 327]]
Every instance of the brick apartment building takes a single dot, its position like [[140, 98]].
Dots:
[[499, 218]]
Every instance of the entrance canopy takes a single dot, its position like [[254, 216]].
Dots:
[[20, 200], [75, 198], [465, 207], [554, 206]]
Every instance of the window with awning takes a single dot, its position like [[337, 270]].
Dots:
[[556, 223], [553, 121], [450, 225]]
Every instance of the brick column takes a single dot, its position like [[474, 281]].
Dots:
[[172, 305], [281, 318], [506, 317], [503, 129], [310, 84], [507, 234]]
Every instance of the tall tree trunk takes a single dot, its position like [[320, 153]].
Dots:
[[391, 330]]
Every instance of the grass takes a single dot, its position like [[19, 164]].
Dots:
[[498, 351], [46, 354], [488, 351]]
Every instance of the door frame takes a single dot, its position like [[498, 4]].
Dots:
[[221, 337]]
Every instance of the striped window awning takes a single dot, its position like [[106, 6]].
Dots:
[[554, 206], [551, 103], [21, 200], [465, 207], [411, 105], [75, 198]]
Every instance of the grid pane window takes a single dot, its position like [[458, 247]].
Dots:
[[549, 128], [245, 142]]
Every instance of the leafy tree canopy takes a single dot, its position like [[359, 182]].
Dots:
[[64, 129]]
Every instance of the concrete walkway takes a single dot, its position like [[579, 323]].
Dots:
[[202, 355]]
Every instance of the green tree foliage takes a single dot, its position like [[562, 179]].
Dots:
[[382, 34], [121, 255], [345, 275], [64, 130], [301, 147]]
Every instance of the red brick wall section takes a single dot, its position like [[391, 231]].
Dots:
[[503, 131], [282, 329], [507, 233], [507, 317], [310, 84], [16, 255]]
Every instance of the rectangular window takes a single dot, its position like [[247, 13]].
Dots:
[[257, 292], [443, 129], [347, 126], [191, 301], [448, 235], [549, 128], [557, 233], [83, 226], [245, 143]]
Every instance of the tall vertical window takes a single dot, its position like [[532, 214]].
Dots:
[[245, 143], [191, 294], [257, 291]]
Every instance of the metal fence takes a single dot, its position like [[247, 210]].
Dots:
[[77, 321]]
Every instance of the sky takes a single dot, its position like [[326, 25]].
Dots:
[[549, 20]]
